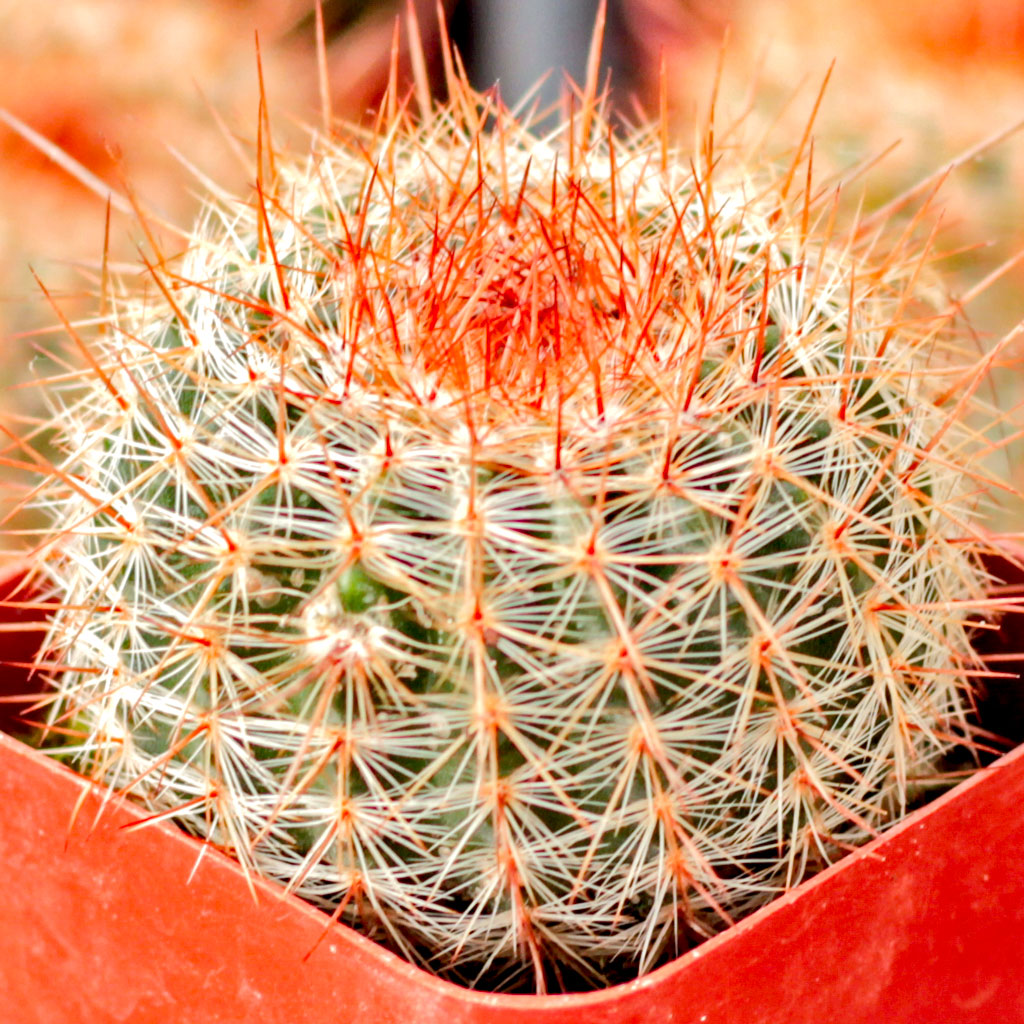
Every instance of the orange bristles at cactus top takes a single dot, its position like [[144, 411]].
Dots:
[[538, 548]]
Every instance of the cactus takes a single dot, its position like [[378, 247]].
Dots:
[[537, 552]]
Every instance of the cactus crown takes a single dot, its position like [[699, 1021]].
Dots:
[[539, 551]]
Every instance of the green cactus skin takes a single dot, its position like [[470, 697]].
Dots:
[[539, 552]]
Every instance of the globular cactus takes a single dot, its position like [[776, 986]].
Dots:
[[538, 551]]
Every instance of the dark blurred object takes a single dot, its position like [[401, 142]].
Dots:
[[529, 46], [1001, 696], [21, 633], [519, 43]]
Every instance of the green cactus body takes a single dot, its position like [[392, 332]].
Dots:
[[481, 537]]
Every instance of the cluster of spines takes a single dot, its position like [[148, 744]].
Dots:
[[540, 551]]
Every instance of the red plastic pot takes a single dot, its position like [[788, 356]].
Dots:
[[102, 922]]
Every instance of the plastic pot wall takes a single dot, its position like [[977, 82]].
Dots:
[[102, 922]]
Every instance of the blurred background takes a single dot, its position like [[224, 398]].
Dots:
[[130, 91]]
